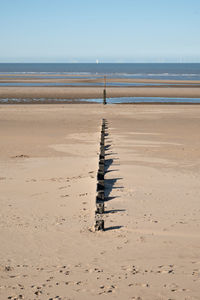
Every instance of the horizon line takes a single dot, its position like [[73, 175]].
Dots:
[[103, 62]]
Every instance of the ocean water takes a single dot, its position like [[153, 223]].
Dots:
[[120, 100], [177, 71], [98, 84]]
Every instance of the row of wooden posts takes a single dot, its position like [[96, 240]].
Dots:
[[100, 193]]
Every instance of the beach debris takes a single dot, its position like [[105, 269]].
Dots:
[[8, 268], [20, 156]]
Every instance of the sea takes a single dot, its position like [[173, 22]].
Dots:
[[177, 71]]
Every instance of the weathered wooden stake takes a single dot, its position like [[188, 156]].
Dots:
[[100, 175], [101, 167], [99, 226], [101, 156], [102, 153], [100, 196], [102, 161], [100, 208], [104, 91], [100, 186]]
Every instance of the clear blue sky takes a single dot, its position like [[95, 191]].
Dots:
[[107, 30]]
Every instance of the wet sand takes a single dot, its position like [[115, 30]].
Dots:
[[170, 88], [48, 162], [97, 92]]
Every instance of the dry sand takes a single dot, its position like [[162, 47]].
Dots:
[[48, 163]]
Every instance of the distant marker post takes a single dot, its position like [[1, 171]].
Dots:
[[104, 91]]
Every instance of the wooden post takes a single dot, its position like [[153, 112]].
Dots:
[[101, 167], [99, 226], [100, 208], [100, 196], [100, 186], [101, 156], [104, 91]]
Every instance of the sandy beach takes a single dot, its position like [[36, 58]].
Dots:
[[48, 162]]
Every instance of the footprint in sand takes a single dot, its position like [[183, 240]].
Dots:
[[132, 269], [16, 297], [173, 287], [31, 180], [8, 268], [166, 269], [38, 293], [62, 187], [106, 290], [141, 239], [145, 285], [49, 279]]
